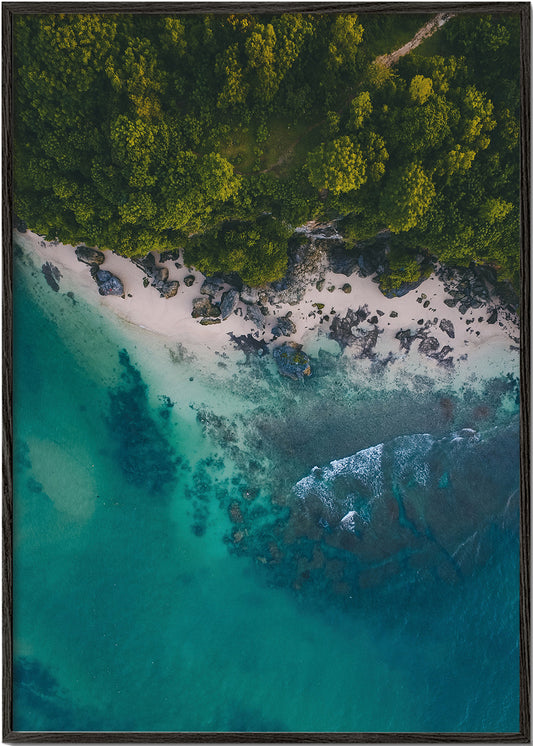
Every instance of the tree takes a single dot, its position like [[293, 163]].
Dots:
[[338, 166], [406, 198], [420, 89], [360, 110]]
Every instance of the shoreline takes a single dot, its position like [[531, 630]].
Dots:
[[348, 315]]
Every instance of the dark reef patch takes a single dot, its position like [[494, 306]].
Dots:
[[145, 456]]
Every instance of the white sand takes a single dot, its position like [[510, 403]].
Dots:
[[490, 352]]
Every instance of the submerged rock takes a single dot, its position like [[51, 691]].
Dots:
[[248, 344], [291, 361], [89, 256], [415, 504], [52, 275]]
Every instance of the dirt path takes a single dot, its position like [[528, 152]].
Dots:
[[385, 59], [423, 33]]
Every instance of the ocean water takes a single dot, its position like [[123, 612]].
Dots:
[[168, 576]]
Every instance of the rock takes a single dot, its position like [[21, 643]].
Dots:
[[393, 314], [189, 280], [450, 302], [249, 295], [20, 225], [89, 256], [463, 308], [146, 282], [331, 288], [380, 313], [291, 361], [428, 346], [209, 321], [406, 338], [210, 286], [320, 285], [168, 289], [255, 315], [447, 327], [108, 284], [249, 345], [172, 255], [52, 275], [204, 307], [347, 288], [426, 303], [373, 320], [160, 275], [228, 303], [383, 503], [146, 263], [285, 327], [493, 318], [235, 513]]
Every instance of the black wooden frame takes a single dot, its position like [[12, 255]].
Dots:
[[9, 10]]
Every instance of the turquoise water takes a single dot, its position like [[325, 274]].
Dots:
[[160, 580]]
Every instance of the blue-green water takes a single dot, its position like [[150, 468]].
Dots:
[[140, 606]]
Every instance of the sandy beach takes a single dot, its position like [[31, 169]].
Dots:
[[475, 344]]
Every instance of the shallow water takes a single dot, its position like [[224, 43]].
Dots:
[[163, 580]]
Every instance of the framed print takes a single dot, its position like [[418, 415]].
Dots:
[[266, 372]]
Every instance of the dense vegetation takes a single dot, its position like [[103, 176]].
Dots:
[[222, 133]]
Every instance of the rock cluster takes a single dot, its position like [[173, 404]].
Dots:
[[348, 332], [52, 275], [157, 275], [284, 327], [108, 283]]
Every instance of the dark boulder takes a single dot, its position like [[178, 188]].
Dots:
[[285, 327], [255, 315], [108, 284], [210, 286], [89, 256], [160, 275], [493, 318], [447, 327], [204, 307], [189, 281], [20, 225], [228, 303], [168, 289]]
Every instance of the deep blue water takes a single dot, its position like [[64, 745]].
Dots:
[[138, 605]]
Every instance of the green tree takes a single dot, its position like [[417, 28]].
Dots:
[[338, 166], [406, 198]]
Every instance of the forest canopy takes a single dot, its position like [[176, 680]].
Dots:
[[222, 133]]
